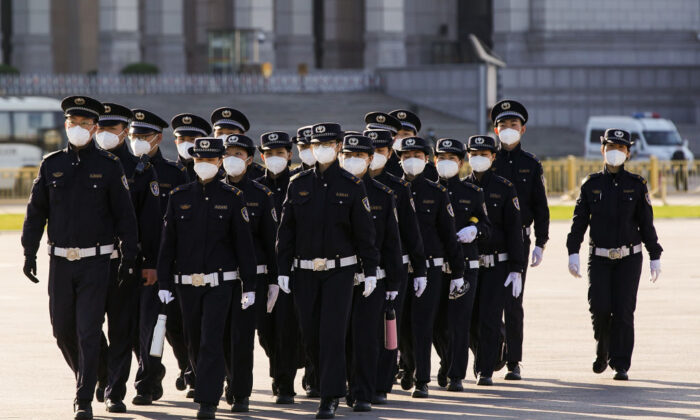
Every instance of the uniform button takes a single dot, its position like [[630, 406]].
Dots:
[[374, 217], [163, 195], [94, 186], [510, 161], [206, 198], [341, 201]]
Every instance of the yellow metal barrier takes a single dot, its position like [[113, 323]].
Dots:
[[16, 183]]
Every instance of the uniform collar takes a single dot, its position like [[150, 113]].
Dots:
[[517, 149], [282, 177], [157, 156], [244, 180], [420, 178], [485, 178], [611, 174], [450, 181], [332, 170], [121, 151], [89, 148]]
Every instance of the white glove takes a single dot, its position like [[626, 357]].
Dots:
[[283, 282], [536, 256], [391, 295], [247, 300], [165, 296], [517, 280], [467, 235], [419, 284], [574, 265], [273, 291], [456, 284], [370, 285], [655, 268]]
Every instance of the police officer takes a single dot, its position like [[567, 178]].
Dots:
[[501, 255], [616, 205], [437, 226], [303, 142], [186, 128], [326, 222], [206, 247], [83, 194], [409, 125], [365, 332], [228, 121], [239, 154], [456, 305], [412, 247], [524, 170], [112, 129], [277, 323]]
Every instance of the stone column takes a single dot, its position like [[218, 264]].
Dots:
[[163, 42], [294, 41], [385, 38], [343, 30], [31, 37], [118, 35], [257, 15]]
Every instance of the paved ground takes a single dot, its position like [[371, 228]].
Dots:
[[36, 383]]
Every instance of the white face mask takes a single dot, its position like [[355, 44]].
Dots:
[[378, 162], [324, 154], [140, 147], [479, 163], [183, 149], [509, 136], [615, 157], [78, 136], [307, 156], [275, 164], [413, 166], [397, 144], [447, 168], [354, 165], [234, 166], [205, 170], [107, 140]]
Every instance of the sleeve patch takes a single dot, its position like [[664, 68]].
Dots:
[[516, 203], [155, 189], [449, 209], [125, 182], [244, 213], [648, 198], [365, 203], [274, 214]]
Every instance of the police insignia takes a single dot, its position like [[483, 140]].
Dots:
[[274, 214], [516, 203], [365, 202], [244, 213], [125, 182], [648, 198], [449, 209], [155, 190], [57, 174]]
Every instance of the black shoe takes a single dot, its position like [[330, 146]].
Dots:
[[600, 364], [513, 372], [240, 405], [379, 399], [100, 394], [82, 410], [312, 393], [326, 410], [115, 406], [349, 400], [158, 387], [275, 388], [142, 399], [501, 362], [406, 381], [455, 386], [484, 381], [441, 378], [284, 399], [421, 391], [620, 375], [206, 411], [190, 394], [361, 406], [180, 384]]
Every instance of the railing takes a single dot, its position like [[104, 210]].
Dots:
[[16, 183]]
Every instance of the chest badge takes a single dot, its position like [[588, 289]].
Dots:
[[57, 174], [516, 203], [365, 202], [155, 189], [244, 213]]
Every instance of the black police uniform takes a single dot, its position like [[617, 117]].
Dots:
[[304, 137], [451, 338], [408, 121], [618, 210], [437, 226], [227, 117], [83, 194], [326, 222], [525, 171], [189, 125], [205, 249], [505, 248]]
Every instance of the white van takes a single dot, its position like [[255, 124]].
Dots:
[[653, 136]]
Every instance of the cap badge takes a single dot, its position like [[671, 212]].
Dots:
[[272, 137], [401, 115], [139, 116], [204, 144], [108, 109], [381, 118], [79, 101], [320, 129], [352, 141], [187, 119], [619, 134], [505, 105], [232, 139], [410, 142], [447, 143], [307, 132], [372, 135], [479, 140], [226, 113]]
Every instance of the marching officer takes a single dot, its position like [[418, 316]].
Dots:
[[524, 170], [239, 154], [278, 326], [326, 223], [83, 194], [456, 305], [408, 126], [501, 258], [365, 332], [227, 121], [437, 226], [186, 128], [303, 142], [206, 245], [616, 205], [413, 255], [112, 129]]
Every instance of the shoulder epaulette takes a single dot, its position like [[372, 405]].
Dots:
[[108, 155], [398, 179], [262, 187], [179, 188], [382, 187], [53, 154], [299, 174], [229, 187], [638, 178], [591, 176], [472, 186], [351, 177], [176, 164], [504, 181], [531, 156], [437, 185]]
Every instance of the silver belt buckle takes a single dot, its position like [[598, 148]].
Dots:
[[73, 254], [615, 254], [197, 280], [319, 264], [482, 260]]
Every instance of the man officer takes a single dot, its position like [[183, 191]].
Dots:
[[187, 127], [326, 222], [409, 125], [303, 142], [227, 121], [524, 170], [83, 194]]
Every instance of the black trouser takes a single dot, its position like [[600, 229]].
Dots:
[[176, 338], [386, 368], [451, 335], [514, 316], [612, 299], [323, 301], [204, 313], [286, 344], [488, 308], [150, 371], [263, 321], [239, 339], [77, 299], [365, 338]]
